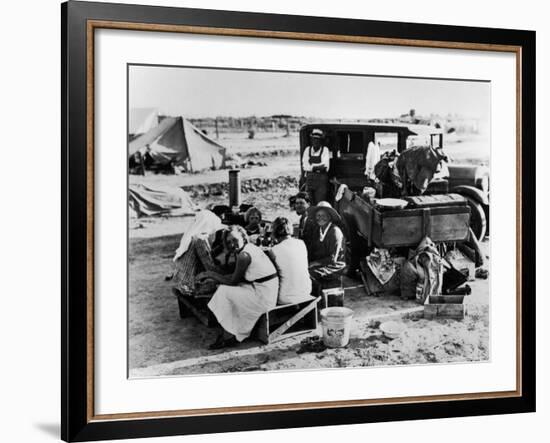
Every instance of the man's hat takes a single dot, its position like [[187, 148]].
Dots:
[[317, 133]]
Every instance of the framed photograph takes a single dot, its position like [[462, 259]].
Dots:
[[276, 221]]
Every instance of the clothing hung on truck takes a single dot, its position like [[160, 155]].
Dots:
[[417, 167], [389, 182], [371, 159], [422, 274]]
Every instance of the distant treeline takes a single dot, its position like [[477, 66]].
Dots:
[[275, 123], [290, 123]]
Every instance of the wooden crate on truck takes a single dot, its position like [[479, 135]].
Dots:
[[445, 219]]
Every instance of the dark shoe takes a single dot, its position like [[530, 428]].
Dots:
[[482, 273], [219, 339], [220, 344]]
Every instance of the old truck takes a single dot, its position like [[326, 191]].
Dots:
[[348, 145], [457, 206]]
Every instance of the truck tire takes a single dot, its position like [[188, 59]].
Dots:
[[478, 222]]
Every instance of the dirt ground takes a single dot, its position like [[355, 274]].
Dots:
[[162, 344]]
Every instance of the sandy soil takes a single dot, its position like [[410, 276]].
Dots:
[[160, 343], [163, 344]]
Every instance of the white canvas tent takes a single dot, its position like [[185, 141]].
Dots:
[[176, 140]]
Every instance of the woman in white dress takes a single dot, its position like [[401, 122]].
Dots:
[[290, 258], [245, 295]]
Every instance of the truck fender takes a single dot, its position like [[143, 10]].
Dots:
[[474, 193]]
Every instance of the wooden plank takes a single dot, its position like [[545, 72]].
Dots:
[[362, 214], [292, 320], [197, 307], [276, 316], [376, 229], [451, 310], [401, 231], [407, 231], [430, 311], [434, 200], [443, 299], [445, 310], [292, 334], [200, 315], [282, 307], [417, 212], [450, 227], [426, 223], [262, 328], [365, 283]]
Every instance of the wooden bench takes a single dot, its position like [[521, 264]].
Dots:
[[284, 321], [280, 322], [196, 306]]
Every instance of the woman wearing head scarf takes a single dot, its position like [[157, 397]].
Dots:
[[199, 250], [245, 295], [290, 258], [327, 249]]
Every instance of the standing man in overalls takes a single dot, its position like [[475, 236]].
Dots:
[[316, 162]]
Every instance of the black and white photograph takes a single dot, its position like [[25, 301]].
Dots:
[[299, 221]]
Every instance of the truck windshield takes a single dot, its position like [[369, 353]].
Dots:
[[388, 140], [418, 140]]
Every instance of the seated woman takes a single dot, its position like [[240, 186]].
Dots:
[[290, 258], [252, 219], [327, 245], [245, 295]]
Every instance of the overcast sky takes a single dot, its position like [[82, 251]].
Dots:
[[199, 92]]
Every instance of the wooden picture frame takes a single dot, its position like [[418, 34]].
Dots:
[[79, 22]]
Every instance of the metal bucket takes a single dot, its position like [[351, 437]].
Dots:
[[336, 323]]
